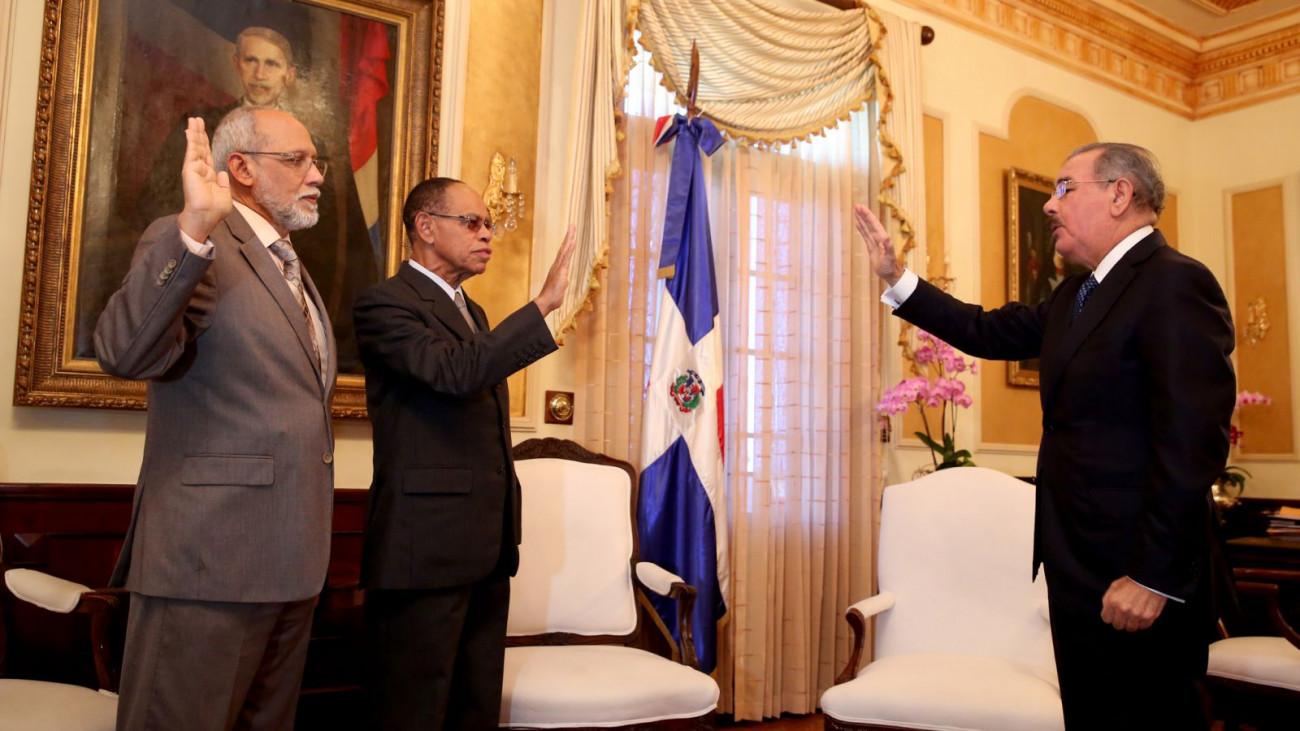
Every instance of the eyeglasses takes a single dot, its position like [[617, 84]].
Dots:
[[295, 160], [1067, 185], [471, 221]]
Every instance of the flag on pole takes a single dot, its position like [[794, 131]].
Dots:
[[682, 510]]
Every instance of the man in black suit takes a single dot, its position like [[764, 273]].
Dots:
[[1137, 390], [442, 521]]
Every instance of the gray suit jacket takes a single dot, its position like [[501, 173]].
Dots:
[[236, 489]]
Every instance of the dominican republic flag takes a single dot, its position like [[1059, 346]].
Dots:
[[363, 56], [682, 508]]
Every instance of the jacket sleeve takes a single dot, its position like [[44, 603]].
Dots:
[[166, 301], [1185, 341], [392, 334], [1011, 332]]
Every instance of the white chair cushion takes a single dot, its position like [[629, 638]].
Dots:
[[599, 685], [935, 691], [34, 704], [1264, 660], [575, 572]]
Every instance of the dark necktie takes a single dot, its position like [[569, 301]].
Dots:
[[1081, 298], [293, 275], [464, 311]]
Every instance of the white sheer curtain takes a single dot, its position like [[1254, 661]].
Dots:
[[801, 324]]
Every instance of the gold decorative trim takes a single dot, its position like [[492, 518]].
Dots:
[[1136, 58], [1257, 323]]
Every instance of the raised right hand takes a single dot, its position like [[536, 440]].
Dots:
[[207, 192], [881, 250], [557, 279]]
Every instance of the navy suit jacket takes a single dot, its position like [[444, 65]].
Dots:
[[1137, 395]]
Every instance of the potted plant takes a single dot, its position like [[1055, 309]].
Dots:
[[937, 385]]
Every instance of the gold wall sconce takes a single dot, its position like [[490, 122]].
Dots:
[[1256, 321], [505, 203]]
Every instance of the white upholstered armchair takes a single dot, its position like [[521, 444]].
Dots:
[[573, 659], [1256, 679], [961, 636], [37, 704]]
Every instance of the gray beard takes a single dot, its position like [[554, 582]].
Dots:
[[289, 212]]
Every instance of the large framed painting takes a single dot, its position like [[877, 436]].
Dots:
[[118, 79], [1034, 268]]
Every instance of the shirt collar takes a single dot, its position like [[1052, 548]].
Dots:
[[451, 291], [262, 228], [1109, 261]]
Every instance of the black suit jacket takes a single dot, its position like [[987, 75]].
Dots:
[[1137, 395], [444, 501]]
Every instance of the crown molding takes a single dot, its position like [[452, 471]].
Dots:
[[1141, 54]]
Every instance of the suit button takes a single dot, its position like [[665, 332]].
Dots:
[[501, 470], [1049, 428], [327, 458]]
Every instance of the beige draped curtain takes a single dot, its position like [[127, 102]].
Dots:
[[802, 333], [799, 318]]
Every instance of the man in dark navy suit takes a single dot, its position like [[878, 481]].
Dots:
[[1137, 390]]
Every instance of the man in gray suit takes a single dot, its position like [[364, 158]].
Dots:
[[229, 539]]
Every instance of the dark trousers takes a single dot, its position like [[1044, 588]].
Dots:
[[436, 658], [1115, 680], [212, 666]]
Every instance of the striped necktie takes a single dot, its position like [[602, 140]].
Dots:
[[293, 275], [464, 311]]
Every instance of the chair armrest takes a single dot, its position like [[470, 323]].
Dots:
[[665, 583], [856, 615], [656, 578], [1266, 583], [63, 596], [45, 591]]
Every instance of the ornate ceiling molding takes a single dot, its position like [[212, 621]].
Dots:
[[1145, 60]]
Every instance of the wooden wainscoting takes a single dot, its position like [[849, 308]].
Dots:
[[76, 531]]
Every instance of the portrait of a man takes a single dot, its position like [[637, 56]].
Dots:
[[186, 58]]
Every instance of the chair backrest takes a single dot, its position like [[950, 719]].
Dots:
[[956, 550], [579, 544]]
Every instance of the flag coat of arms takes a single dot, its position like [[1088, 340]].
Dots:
[[682, 512]]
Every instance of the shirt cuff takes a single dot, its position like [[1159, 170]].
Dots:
[[204, 250], [896, 295], [1161, 593]]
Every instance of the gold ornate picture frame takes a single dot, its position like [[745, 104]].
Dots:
[[117, 79], [1033, 267]]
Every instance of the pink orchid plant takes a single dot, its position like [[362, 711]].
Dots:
[[939, 389], [1234, 477]]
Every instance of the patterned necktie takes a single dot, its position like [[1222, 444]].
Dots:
[[464, 311], [1081, 298], [293, 275]]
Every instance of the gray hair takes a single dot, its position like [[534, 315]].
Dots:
[[1137, 164], [237, 131]]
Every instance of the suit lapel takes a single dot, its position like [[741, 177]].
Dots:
[[440, 304], [1066, 338], [257, 256]]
